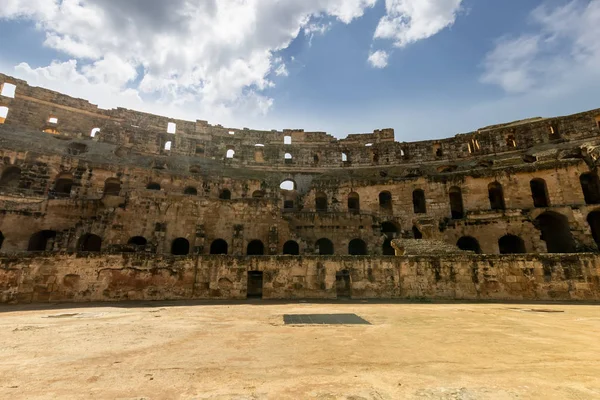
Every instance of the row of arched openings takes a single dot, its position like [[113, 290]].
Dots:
[[44, 241]]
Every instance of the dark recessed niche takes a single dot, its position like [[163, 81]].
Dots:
[[529, 158], [76, 149], [447, 168], [383, 174], [485, 163], [122, 152], [195, 169]]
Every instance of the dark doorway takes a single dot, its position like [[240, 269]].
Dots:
[[255, 284], [343, 286], [321, 202], [357, 247], [153, 186], [390, 231], [1, 240], [469, 243], [180, 247], [324, 247], [112, 187], [456, 203], [90, 243], [539, 192], [291, 248], [190, 191], [590, 184], [419, 203], [556, 232], [138, 241], [42, 241], [385, 200], [63, 186], [255, 248], [496, 195], [10, 178], [593, 220], [219, 246], [417, 233], [353, 202], [511, 244], [288, 204], [225, 194]]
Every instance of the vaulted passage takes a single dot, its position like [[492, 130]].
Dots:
[[385, 200], [469, 243], [63, 185], [324, 247], [357, 247], [456, 203], [419, 204], [496, 196], [112, 187], [11, 177], [593, 220], [511, 244], [590, 184], [556, 232], [153, 186], [190, 191], [353, 202], [180, 247], [89, 243], [539, 192], [225, 194], [219, 246], [390, 230], [255, 248], [291, 248], [321, 202], [42, 241]]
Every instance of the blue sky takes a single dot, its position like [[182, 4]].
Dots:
[[452, 66]]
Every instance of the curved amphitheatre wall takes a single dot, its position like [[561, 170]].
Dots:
[[77, 178]]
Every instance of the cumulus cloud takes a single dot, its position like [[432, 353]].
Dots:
[[562, 49], [379, 59]]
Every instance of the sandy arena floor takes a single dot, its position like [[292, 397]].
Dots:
[[244, 351]]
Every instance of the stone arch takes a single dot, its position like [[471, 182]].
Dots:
[[225, 194], [390, 230], [230, 154], [63, 185], [180, 247], [357, 247], [153, 186], [89, 243], [288, 185], [255, 248], [291, 248], [556, 232], [456, 203], [353, 202], [469, 243], [324, 247], [385, 200], [593, 220], [496, 196], [419, 202], [321, 202], [190, 191], [42, 241], [539, 193], [112, 187], [219, 246], [511, 244], [11, 177], [590, 185]]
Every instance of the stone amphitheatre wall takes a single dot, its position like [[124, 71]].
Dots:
[[67, 277]]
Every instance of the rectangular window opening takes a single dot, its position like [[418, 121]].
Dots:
[[8, 90], [3, 114], [171, 127], [53, 120], [287, 140]]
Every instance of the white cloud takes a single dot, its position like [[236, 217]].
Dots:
[[379, 59], [408, 21], [561, 52]]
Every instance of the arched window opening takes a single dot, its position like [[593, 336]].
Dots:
[[287, 140], [353, 202], [94, 132], [419, 203], [344, 157], [112, 187], [219, 247], [153, 186], [180, 247], [291, 248], [321, 202], [391, 231], [255, 248], [437, 150], [3, 114], [289, 204], [496, 196], [417, 234], [258, 194], [230, 154], [357, 247], [539, 192], [593, 220], [375, 158], [63, 185], [385, 200], [590, 184], [316, 159], [511, 141], [259, 145], [90, 243], [168, 145], [42, 241], [556, 232], [190, 191], [511, 244], [288, 185], [138, 241], [171, 127], [11, 177], [456, 203], [468, 243], [288, 158], [225, 194], [324, 247]]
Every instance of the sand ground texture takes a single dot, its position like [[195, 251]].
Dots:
[[244, 351]]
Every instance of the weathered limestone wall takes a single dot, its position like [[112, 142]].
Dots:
[[68, 277]]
